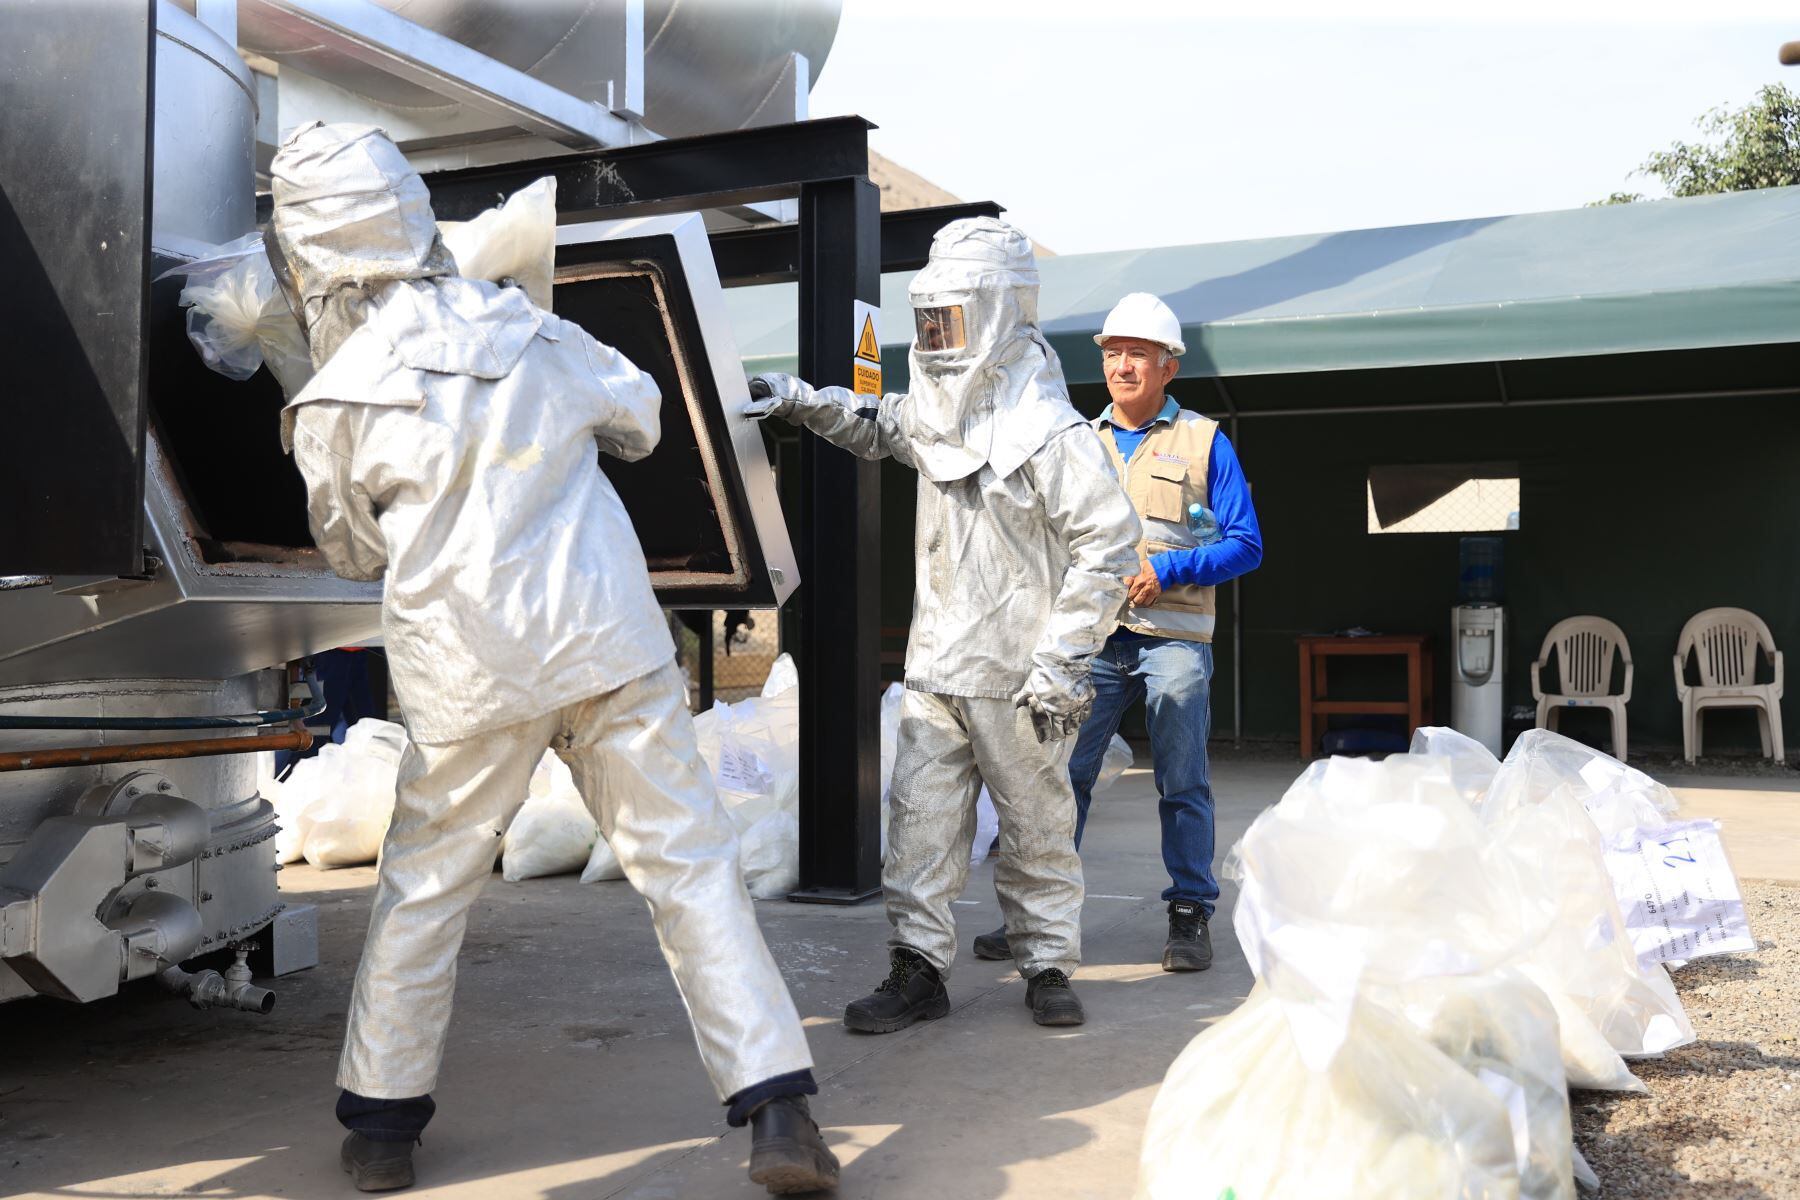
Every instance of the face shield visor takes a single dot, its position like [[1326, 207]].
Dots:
[[284, 276], [940, 328]]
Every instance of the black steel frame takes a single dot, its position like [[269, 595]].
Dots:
[[836, 253], [771, 253], [714, 170]]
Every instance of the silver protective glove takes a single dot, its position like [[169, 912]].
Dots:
[[1059, 701], [776, 395]]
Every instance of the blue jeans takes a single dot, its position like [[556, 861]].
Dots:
[[1174, 678]]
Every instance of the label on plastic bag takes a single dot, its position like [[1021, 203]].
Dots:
[[1601, 773], [1678, 893], [742, 770]]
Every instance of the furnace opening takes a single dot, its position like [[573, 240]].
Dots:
[[671, 494], [223, 442]]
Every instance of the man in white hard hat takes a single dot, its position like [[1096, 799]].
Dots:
[[1183, 478], [1023, 540], [448, 443]]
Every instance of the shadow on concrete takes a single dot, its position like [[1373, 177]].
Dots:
[[571, 1071]]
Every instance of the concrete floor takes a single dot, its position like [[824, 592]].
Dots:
[[571, 1073], [1760, 820]]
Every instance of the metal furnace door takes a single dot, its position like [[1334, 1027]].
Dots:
[[703, 502]]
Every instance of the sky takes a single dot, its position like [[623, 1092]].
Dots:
[[1150, 122]]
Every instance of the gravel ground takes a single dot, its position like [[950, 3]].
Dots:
[[1723, 1115]]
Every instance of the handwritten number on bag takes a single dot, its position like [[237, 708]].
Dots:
[[1672, 859]]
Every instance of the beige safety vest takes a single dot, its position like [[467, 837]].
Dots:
[[1168, 472]]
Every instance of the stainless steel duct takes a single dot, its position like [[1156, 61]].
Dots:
[[205, 190], [709, 65]]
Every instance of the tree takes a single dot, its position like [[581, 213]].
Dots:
[[1756, 146]]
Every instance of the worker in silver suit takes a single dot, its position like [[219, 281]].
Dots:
[[448, 445], [1023, 545]]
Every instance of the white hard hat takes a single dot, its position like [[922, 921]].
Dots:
[[1141, 315]]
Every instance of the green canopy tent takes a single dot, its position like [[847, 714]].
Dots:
[[1679, 301], [1695, 274]]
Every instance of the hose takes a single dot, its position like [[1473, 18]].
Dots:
[[279, 716]]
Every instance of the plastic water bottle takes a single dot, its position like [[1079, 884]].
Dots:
[[1203, 524]]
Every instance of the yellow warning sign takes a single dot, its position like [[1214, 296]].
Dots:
[[866, 358]]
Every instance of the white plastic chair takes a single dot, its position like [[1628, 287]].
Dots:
[[1585, 648], [1724, 643]]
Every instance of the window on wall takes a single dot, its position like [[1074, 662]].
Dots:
[[1444, 498]]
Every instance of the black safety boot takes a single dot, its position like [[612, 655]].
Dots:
[[993, 946], [1189, 947], [377, 1166], [913, 991], [787, 1155], [1052, 1000]]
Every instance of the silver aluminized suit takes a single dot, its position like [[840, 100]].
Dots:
[[1023, 541], [448, 446]]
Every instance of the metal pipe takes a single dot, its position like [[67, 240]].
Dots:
[[366, 33], [16, 583], [88, 756], [280, 716], [207, 989]]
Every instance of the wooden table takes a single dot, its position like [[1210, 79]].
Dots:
[[1317, 649]]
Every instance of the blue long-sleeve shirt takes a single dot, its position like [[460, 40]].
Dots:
[[1239, 548]]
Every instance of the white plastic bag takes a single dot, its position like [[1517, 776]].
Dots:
[[1241, 1114], [1369, 870], [553, 833], [353, 794], [602, 864], [239, 320], [1546, 809], [1585, 960], [1677, 893], [1589, 1061], [291, 824], [1379, 881], [1472, 765], [514, 243], [752, 749], [987, 827], [1541, 761], [783, 675], [1502, 1029], [301, 793], [1113, 764]]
